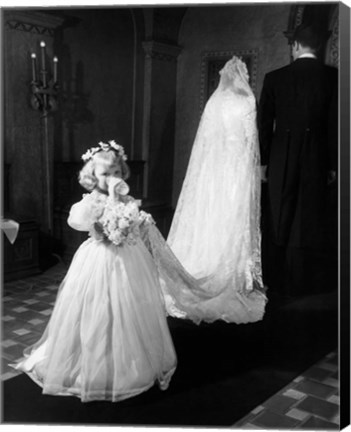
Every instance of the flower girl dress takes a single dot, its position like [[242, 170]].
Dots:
[[107, 338]]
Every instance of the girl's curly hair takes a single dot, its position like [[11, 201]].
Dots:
[[87, 174]]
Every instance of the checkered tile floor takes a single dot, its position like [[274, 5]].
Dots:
[[310, 401], [26, 308]]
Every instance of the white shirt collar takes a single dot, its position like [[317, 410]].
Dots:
[[307, 55]]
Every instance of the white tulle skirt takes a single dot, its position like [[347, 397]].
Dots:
[[107, 338]]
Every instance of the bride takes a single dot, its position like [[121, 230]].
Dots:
[[211, 263]]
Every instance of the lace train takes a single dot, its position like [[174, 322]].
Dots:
[[202, 299]]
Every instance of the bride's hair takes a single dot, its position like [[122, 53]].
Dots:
[[87, 176]]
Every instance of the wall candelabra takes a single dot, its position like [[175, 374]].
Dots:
[[44, 90], [44, 93]]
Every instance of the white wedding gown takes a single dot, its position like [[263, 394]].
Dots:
[[215, 233]]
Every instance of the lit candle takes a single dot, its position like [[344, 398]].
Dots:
[[34, 67], [42, 45], [55, 69], [43, 66]]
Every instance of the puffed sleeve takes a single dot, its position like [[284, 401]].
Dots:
[[82, 216]]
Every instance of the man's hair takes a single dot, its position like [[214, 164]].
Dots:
[[310, 35]]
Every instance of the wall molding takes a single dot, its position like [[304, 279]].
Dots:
[[32, 22], [161, 51], [332, 51]]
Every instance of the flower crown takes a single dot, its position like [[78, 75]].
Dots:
[[110, 145]]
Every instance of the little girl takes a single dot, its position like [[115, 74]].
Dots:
[[107, 338]]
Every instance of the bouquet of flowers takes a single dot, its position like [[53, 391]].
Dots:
[[120, 222]]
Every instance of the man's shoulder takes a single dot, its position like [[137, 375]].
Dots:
[[276, 73]]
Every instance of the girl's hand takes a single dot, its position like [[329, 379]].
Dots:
[[98, 228]]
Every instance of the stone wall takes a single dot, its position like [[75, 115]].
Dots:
[[23, 133], [97, 81], [96, 95]]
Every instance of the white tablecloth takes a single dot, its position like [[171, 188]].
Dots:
[[10, 228]]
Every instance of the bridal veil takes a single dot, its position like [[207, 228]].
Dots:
[[211, 263]]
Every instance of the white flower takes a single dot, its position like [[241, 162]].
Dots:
[[132, 210], [112, 224], [146, 218], [123, 223], [114, 144], [105, 147], [116, 237], [90, 153]]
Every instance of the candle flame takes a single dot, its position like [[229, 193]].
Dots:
[[42, 43], [55, 59], [33, 55]]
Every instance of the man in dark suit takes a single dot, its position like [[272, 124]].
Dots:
[[298, 131]]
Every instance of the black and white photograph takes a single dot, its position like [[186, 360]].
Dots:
[[175, 215]]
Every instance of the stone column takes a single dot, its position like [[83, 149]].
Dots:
[[159, 120]]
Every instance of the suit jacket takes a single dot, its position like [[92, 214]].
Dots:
[[298, 132]]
